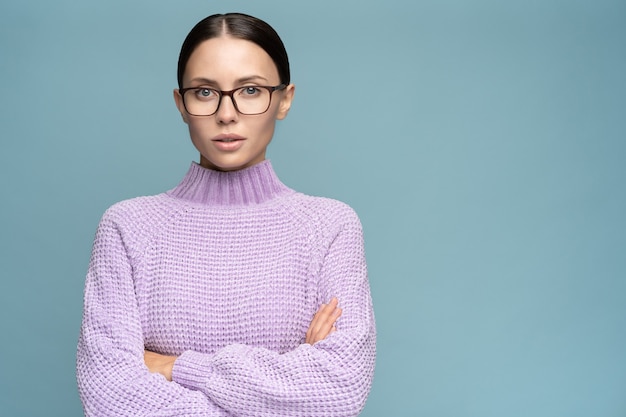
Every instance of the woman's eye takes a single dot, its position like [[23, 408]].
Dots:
[[204, 93], [249, 91]]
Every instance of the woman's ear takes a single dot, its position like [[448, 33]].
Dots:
[[178, 99], [285, 101]]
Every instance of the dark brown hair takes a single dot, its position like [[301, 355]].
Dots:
[[240, 26]]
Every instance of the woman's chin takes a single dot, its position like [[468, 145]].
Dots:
[[228, 164]]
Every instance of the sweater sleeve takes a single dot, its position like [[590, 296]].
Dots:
[[330, 378], [113, 379]]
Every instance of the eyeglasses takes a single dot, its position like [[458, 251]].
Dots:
[[248, 100]]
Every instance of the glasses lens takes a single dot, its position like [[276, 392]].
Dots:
[[201, 101], [252, 100]]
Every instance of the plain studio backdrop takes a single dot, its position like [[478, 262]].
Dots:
[[482, 143]]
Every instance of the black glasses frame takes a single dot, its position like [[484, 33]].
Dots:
[[229, 93]]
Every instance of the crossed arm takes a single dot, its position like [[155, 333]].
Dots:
[[322, 325]]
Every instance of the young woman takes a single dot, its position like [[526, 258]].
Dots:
[[221, 296]]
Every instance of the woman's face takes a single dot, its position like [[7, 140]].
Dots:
[[228, 140]]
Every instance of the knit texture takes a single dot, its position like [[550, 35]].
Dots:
[[225, 271]]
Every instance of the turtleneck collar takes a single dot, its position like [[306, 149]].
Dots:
[[252, 185]]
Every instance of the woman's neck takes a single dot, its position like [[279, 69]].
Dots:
[[252, 185]]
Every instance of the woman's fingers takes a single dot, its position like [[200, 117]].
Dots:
[[323, 322], [157, 363]]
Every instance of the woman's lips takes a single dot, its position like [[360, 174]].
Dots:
[[228, 142]]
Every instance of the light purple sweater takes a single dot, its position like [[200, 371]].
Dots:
[[226, 270]]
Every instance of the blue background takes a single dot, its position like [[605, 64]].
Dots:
[[482, 142]]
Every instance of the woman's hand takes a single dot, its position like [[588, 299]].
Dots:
[[323, 322], [159, 364]]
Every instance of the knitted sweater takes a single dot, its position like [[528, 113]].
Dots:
[[225, 271]]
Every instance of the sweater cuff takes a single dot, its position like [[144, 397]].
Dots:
[[192, 369]]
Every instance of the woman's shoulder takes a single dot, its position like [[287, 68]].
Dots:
[[139, 210], [323, 210]]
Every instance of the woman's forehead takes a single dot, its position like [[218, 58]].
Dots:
[[228, 59]]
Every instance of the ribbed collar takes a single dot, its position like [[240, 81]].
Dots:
[[252, 185]]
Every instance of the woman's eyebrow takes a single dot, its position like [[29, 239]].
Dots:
[[203, 80], [251, 78]]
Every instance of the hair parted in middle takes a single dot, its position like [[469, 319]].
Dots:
[[241, 26]]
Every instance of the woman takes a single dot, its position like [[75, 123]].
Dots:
[[221, 297]]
